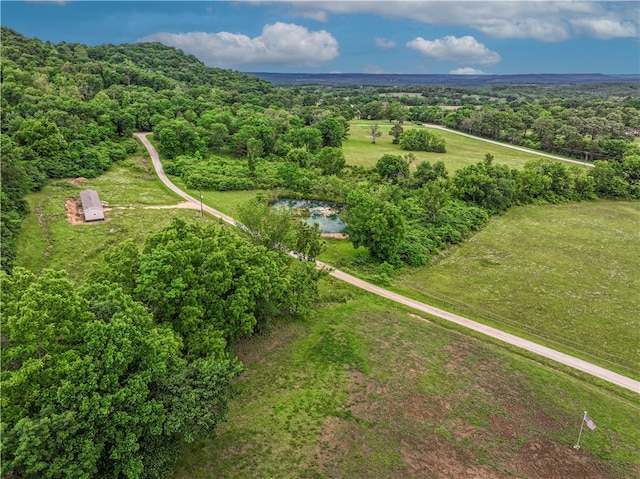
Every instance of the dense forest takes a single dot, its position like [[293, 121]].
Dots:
[[105, 379]]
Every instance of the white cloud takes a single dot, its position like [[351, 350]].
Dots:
[[550, 30], [384, 43], [466, 71], [279, 44], [462, 50], [548, 21], [605, 28]]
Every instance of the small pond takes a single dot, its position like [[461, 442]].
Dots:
[[327, 215]]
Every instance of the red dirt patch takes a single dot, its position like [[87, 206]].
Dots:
[[80, 181], [543, 459], [429, 456], [339, 236], [75, 215], [411, 420], [73, 209]]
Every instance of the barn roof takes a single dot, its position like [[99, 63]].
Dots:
[[91, 205]]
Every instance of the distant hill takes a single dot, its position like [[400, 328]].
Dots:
[[472, 81], [152, 65]]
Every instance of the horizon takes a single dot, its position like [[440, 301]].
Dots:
[[419, 37], [442, 74]]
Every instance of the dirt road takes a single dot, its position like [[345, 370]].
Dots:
[[527, 345]]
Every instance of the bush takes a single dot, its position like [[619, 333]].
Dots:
[[422, 140]]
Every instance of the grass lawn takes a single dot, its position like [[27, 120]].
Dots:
[[567, 275], [461, 151], [226, 202], [365, 389]]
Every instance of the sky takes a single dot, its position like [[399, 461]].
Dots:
[[356, 36]]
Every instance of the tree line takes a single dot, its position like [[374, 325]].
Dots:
[[406, 217]]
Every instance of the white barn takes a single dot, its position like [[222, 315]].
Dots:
[[91, 205]]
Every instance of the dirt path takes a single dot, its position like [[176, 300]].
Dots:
[[527, 345]]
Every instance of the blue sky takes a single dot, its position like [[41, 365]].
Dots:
[[390, 36]]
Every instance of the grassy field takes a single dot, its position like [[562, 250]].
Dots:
[[365, 389], [567, 275], [461, 151], [132, 193]]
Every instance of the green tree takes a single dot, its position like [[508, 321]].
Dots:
[[330, 160], [308, 241], [395, 111], [375, 224], [373, 110], [168, 144], [94, 388], [432, 198], [395, 131], [374, 132], [299, 156], [422, 140], [489, 186], [608, 181], [554, 179], [309, 138], [269, 227], [218, 135], [255, 148], [393, 168], [333, 129], [427, 172]]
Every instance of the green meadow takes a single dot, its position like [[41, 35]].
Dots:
[[367, 389], [132, 193], [566, 275], [563, 275], [461, 151]]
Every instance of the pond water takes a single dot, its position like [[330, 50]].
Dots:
[[327, 215]]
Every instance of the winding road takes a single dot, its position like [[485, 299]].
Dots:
[[527, 345]]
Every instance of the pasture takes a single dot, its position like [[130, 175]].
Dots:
[[366, 389], [563, 275]]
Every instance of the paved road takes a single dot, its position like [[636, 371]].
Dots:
[[562, 358], [513, 147]]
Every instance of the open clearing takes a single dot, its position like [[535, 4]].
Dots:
[[565, 275], [364, 389], [54, 235], [461, 151]]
